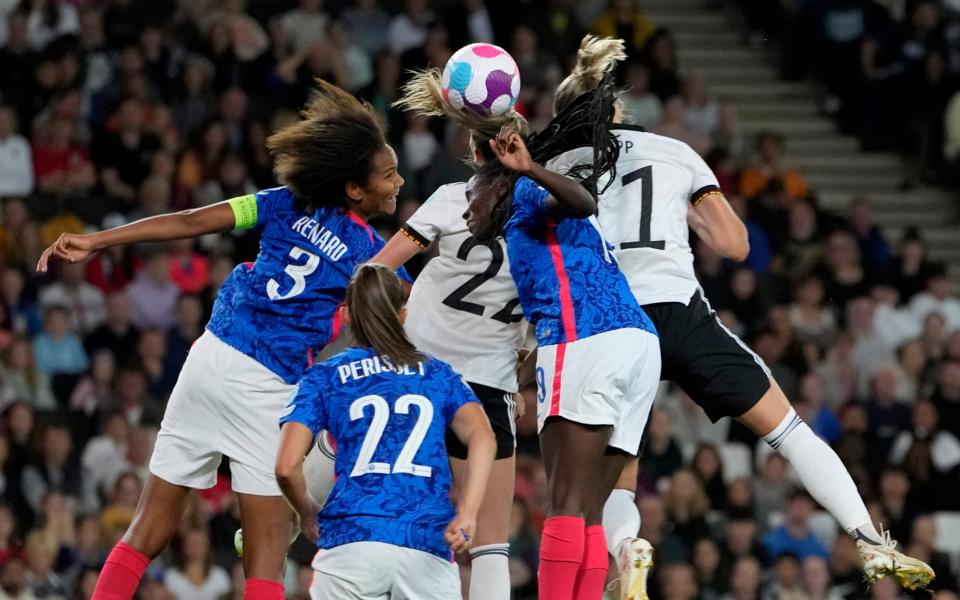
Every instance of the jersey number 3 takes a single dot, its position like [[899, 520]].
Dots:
[[381, 414], [456, 299], [298, 273], [645, 175]]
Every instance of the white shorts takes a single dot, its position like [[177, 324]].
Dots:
[[378, 571], [606, 379], [224, 404]]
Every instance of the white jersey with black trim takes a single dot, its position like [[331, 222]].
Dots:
[[643, 213], [463, 308]]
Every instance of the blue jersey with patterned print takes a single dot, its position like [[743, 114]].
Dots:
[[389, 423], [569, 283], [280, 308]]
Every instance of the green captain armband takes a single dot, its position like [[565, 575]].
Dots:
[[244, 211]]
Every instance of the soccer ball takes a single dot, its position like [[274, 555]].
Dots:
[[481, 79]]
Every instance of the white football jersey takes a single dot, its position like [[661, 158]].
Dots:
[[643, 212], [463, 308]]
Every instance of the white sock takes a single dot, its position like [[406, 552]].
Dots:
[[822, 473], [621, 519], [490, 572]]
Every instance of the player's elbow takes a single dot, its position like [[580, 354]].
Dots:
[[482, 442], [285, 468], [735, 245]]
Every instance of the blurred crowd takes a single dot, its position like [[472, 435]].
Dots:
[[890, 71], [114, 110]]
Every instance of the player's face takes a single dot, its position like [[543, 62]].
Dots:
[[485, 198], [379, 195]]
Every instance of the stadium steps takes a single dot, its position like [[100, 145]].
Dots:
[[710, 42]]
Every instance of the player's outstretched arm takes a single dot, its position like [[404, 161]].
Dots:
[[397, 251], [73, 248], [295, 441], [714, 221], [568, 198], [472, 428]]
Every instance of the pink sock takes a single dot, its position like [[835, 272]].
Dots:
[[593, 570], [561, 552], [121, 574], [263, 589]]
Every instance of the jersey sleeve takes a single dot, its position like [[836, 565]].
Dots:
[[307, 406], [253, 210], [704, 181], [529, 201], [430, 219]]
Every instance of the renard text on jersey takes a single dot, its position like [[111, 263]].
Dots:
[[365, 367], [321, 237]]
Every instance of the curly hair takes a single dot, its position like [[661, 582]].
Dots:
[[332, 145]]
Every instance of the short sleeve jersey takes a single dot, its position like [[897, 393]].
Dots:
[[569, 282], [643, 212], [464, 307], [280, 308], [388, 422]]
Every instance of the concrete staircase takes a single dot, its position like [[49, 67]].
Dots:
[[709, 42]]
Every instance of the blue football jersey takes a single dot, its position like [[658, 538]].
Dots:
[[389, 423], [569, 283], [282, 306]]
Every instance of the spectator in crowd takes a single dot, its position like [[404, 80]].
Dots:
[[16, 164], [58, 350], [795, 536], [54, 470], [911, 266], [123, 154], [815, 576], [923, 536], [192, 576], [85, 303], [13, 579], [306, 24], [769, 167], [624, 19], [703, 111], [117, 333], [368, 24], [22, 310], [22, 379], [63, 167], [41, 553], [640, 106], [48, 20], [660, 54], [673, 123], [937, 299], [104, 459], [94, 392], [153, 295], [687, 506], [663, 455], [744, 580]]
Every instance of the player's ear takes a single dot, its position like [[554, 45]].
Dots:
[[345, 314], [402, 314], [354, 191], [501, 186]]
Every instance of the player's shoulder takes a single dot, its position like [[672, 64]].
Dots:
[[634, 138], [281, 195]]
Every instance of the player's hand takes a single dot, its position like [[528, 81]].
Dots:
[[308, 524], [521, 406], [69, 247], [460, 532], [511, 150]]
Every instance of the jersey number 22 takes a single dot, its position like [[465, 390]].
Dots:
[[457, 298], [381, 415]]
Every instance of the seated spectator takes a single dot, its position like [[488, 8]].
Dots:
[[888, 415], [85, 303], [153, 295], [62, 166], [193, 576], [812, 408], [121, 503], [22, 380], [368, 24], [47, 20], [678, 582], [744, 580], [123, 155], [911, 267], [923, 537], [662, 455], [928, 453], [55, 469], [708, 467], [639, 105], [189, 327], [14, 233], [655, 528], [16, 165], [133, 400], [842, 269], [687, 506], [306, 24], [232, 181], [897, 502], [117, 334], [673, 124], [104, 459], [41, 553], [786, 579], [199, 163], [710, 573], [540, 69], [409, 28], [703, 111], [946, 397], [13, 579], [873, 246], [811, 320], [728, 136], [624, 19], [933, 336], [660, 54], [417, 151], [815, 576], [151, 353], [95, 391], [937, 299], [154, 198], [57, 350], [189, 270], [772, 487], [769, 166], [794, 536], [21, 307]]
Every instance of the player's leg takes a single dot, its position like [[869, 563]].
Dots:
[[577, 467], [490, 554], [267, 524], [154, 524], [827, 480]]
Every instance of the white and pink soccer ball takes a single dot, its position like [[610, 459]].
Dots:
[[481, 79]]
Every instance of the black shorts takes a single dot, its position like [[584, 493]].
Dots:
[[500, 409], [711, 364]]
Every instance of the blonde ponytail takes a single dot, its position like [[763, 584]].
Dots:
[[595, 56], [423, 95]]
